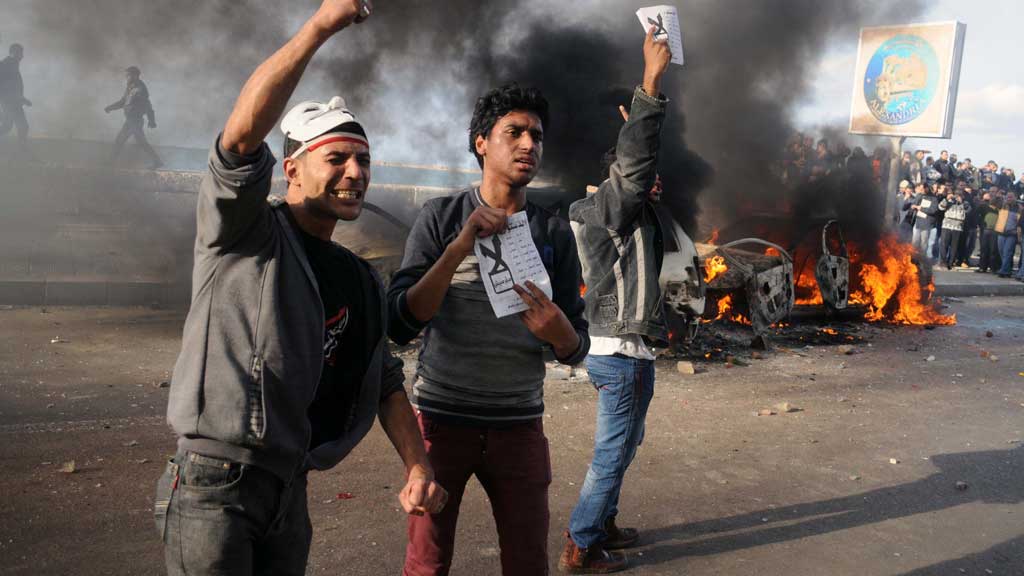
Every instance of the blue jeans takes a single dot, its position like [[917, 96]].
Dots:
[[1007, 246], [919, 239], [625, 387]]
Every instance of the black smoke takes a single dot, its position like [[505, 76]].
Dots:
[[415, 68]]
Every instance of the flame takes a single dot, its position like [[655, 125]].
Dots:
[[889, 286], [772, 252], [714, 267], [714, 237], [583, 290], [806, 284], [829, 331], [728, 312]]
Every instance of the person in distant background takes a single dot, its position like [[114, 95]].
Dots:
[[12, 94], [136, 106]]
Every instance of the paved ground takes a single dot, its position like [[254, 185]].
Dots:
[[716, 489], [967, 282]]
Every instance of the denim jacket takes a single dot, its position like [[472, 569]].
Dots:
[[619, 236]]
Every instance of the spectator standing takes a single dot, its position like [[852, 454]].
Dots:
[[1007, 229], [924, 207], [988, 213], [955, 209], [904, 215]]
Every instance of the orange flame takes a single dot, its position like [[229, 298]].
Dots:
[[807, 291], [772, 252], [892, 291], [714, 267], [726, 311], [889, 286], [714, 237], [583, 290]]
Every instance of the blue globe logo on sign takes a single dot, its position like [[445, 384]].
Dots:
[[901, 79]]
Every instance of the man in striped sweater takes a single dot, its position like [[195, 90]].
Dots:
[[479, 389]]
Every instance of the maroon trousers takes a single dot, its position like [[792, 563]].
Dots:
[[513, 466]]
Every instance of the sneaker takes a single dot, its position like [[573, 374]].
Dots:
[[619, 538], [964, 265], [593, 560]]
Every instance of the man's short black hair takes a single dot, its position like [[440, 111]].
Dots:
[[497, 103]]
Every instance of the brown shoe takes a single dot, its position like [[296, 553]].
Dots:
[[619, 538], [593, 560]]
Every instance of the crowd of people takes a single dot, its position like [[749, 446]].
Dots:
[[947, 208], [956, 214]]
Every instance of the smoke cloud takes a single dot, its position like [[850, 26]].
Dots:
[[413, 71]]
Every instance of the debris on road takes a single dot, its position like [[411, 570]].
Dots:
[[930, 359], [68, 467], [961, 486], [685, 368], [57, 340], [786, 407], [345, 496], [988, 334], [894, 461], [162, 384], [766, 412], [854, 477], [131, 444]]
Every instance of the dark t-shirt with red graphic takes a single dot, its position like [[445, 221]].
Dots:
[[344, 295]]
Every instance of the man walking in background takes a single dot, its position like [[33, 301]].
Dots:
[[12, 95], [137, 108]]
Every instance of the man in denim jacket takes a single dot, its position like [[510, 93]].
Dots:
[[284, 363], [621, 251]]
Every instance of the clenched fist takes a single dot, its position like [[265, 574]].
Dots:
[[334, 15]]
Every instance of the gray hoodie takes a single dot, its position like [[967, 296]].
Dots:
[[252, 348]]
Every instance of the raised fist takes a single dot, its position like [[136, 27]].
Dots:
[[335, 15]]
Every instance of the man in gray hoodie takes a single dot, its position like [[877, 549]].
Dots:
[[284, 362]]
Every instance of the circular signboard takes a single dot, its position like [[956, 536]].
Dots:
[[901, 79]]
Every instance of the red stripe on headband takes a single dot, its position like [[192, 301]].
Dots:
[[334, 139]]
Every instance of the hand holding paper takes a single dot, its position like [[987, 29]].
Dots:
[[507, 259], [665, 20], [545, 320], [656, 59]]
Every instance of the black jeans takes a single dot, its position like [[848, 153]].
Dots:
[[989, 251], [223, 518], [949, 243]]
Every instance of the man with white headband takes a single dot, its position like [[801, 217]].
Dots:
[[284, 362]]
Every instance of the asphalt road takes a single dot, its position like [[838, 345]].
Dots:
[[861, 481]]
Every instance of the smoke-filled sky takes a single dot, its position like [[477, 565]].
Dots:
[[413, 70]]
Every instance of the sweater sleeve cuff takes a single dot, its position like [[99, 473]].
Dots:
[[580, 352], [405, 325]]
